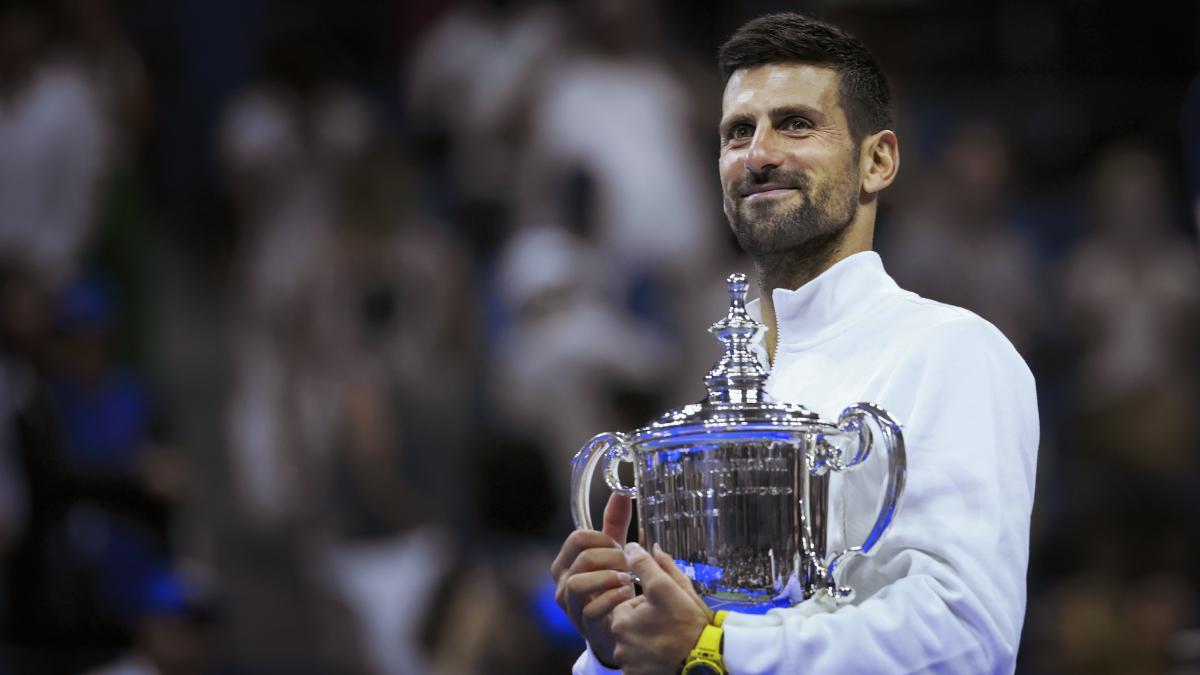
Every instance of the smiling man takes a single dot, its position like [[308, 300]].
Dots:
[[806, 150]]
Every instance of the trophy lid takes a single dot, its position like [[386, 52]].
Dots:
[[736, 384]]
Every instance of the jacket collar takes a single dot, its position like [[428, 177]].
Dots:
[[827, 304]]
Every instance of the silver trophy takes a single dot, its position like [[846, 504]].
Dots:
[[736, 488]]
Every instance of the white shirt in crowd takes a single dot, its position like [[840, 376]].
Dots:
[[53, 152]]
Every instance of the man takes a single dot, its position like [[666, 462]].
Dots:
[[805, 153]]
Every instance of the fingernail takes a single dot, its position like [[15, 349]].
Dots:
[[627, 590], [657, 548], [624, 578], [633, 548]]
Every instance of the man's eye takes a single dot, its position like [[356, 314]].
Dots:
[[797, 124], [740, 132]]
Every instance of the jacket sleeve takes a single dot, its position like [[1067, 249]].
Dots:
[[588, 664], [945, 589]]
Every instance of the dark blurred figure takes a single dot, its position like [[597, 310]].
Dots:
[[288, 141], [1132, 294], [24, 396], [1103, 623], [95, 42], [98, 518], [174, 632]]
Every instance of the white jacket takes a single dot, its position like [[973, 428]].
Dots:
[[945, 589]]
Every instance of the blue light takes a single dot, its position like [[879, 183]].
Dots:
[[552, 619]]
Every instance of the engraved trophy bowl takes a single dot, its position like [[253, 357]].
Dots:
[[736, 488]]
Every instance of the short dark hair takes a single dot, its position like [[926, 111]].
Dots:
[[789, 37]]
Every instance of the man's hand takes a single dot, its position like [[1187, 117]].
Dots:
[[657, 630], [590, 571]]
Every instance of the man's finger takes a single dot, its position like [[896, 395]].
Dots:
[[598, 559], [622, 615], [609, 561], [576, 543], [591, 583], [579, 589], [655, 581], [617, 515], [668, 564], [606, 602]]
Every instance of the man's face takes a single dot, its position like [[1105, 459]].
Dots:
[[789, 166]]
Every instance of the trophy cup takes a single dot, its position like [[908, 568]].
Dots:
[[736, 488]]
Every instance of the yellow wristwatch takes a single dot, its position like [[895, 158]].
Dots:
[[705, 658]]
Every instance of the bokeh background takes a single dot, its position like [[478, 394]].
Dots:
[[304, 307]]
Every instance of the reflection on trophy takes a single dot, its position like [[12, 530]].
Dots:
[[736, 488]]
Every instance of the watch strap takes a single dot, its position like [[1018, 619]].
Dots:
[[706, 655]]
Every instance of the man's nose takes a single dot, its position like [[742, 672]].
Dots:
[[764, 153]]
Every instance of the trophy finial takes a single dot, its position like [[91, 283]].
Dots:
[[738, 377], [737, 288]]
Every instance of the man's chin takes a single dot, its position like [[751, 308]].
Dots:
[[765, 215], [756, 238]]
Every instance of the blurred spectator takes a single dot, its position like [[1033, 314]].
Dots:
[[955, 239], [470, 84], [417, 334], [113, 67], [54, 146], [288, 142], [98, 522], [614, 233], [570, 350], [1133, 290], [352, 403], [105, 413], [615, 107], [1130, 290], [410, 416]]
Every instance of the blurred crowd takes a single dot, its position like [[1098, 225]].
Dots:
[[304, 310]]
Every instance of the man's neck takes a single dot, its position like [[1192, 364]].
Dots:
[[801, 269]]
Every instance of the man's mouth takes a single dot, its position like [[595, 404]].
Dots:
[[766, 190]]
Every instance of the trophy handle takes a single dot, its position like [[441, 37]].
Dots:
[[613, 449], [873, 425]]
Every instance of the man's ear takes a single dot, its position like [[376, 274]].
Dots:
[[880, 160]]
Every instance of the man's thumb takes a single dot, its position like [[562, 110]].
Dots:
[[617, 516]]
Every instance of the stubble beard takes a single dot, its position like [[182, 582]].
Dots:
[[789, 243]]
